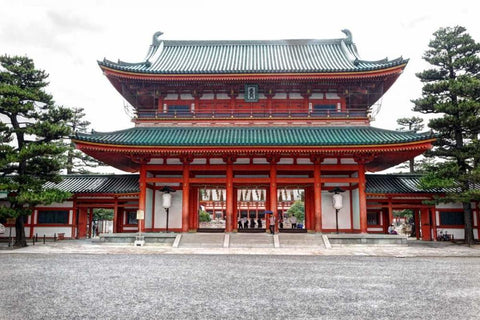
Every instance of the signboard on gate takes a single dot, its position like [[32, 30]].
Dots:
[[140, 215]]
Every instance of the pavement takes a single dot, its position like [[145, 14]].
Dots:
[[414, 248]]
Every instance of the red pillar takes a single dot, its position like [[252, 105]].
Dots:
[[142, 196], [426, 227], [82, 223], [229, 221], [417, 224], [185, 195], [115, 215], [434, 222], [317, 191], [390, 211], [362, 198], [273, 186]]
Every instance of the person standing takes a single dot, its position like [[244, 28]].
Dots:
[[272, 224], [293, 221]]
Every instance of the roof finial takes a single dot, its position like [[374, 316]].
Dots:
[[349, 36], [156, 36]]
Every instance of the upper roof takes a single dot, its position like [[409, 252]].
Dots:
[[262, 56], [253, 136]]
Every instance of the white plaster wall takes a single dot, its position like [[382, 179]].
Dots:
[[148, 208], [356, 209], [175, 212], [50, 231], [457, 233], [66, 204], [286, 161], [449, 206], [328, 212]]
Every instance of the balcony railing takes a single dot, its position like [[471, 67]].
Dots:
[[254, 114]]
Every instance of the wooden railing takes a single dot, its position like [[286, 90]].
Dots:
[[255, 114]]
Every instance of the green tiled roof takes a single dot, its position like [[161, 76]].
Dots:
[[252, 136], [239, 57], [393, 183], [125, 183], [376, 183]]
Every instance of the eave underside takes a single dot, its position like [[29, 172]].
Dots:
[[376, 158]]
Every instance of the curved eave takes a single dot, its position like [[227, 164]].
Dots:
[[383, 155], [208, 150], [111, 72]]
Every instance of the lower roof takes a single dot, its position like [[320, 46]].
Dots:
[[252, 136], [128, 183]]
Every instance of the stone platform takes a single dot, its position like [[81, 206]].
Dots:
[[257, 240]]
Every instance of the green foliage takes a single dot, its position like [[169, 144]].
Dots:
[[78, 162], [411, 124], [298, 210], [204, 216], [452, 92], [102, 214], [30, 133], [407, 213]]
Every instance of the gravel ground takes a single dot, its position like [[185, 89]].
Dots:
[[123, 286]]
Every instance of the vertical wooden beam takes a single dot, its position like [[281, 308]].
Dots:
[[229, 201], [273, 185], [115, 215], [185, 194], [317, 191], [417, 223], [362, 197], [434, 223], [153, 208], [142, 197], [390, 211], [478, 219]]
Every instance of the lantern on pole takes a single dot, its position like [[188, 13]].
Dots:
[[337, 202], [167, 201]]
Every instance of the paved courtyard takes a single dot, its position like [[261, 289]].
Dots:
[[223, 286]]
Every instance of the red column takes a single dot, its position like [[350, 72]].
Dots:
[[82, 223], [185, 195], [362, 198], [115, 215], [229, 201], [317, 190], [142, 195], [417, 224], [273, 186], [434, 223], [390, 211], [478, 219]]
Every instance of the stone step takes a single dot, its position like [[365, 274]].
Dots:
[[251, 240], [202, 240], [301, 240]]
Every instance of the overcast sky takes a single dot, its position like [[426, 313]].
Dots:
[[66, 38]]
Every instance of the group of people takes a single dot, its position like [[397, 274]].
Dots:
[[243, 223]]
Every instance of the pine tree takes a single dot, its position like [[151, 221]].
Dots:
[[77, 161], [451, 91], [414, 124], [30, 132]]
